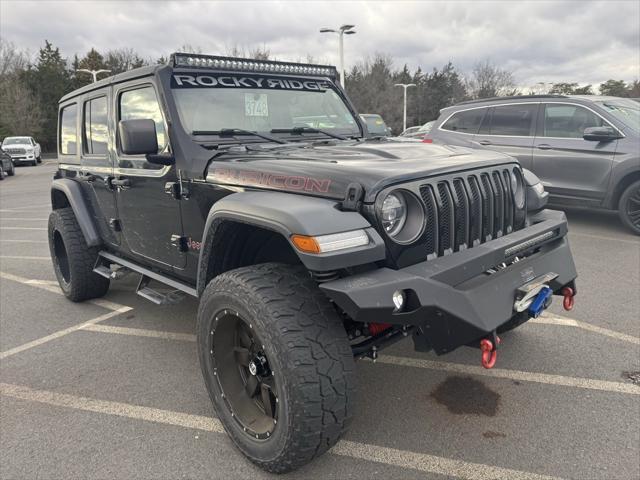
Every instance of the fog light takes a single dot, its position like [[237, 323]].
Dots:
[[398, 300]]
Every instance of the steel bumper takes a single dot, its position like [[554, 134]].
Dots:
[[452, 299]]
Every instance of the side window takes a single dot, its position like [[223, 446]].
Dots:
[[68, 138], [511, 120], [465, 122], [568, 121], [95, 126], [141, 104]]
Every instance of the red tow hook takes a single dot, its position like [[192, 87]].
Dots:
[[489, 352], [569, 299]]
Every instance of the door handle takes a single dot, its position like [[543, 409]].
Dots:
[[88, 178], [485, 142], [120, 184], [544, 146]]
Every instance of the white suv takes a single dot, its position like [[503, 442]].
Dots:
[[22, 150]]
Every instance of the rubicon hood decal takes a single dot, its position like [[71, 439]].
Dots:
[[285, 182]]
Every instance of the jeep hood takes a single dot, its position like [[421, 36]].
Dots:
[[328, 170]]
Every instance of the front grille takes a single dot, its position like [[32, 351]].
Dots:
[[15, 151], [467, 210]]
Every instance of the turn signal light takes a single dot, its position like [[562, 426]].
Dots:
[[305, 244], [330, 242]]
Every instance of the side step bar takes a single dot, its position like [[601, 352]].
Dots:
[[159, 298]]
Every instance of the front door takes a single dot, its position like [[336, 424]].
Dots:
[[509, 129], [568, 165], [149, 218]]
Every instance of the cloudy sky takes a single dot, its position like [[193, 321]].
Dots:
[[540, 41]]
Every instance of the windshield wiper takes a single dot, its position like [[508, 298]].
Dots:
[[299, 130], [230, 132]]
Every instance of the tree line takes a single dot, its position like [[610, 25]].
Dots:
[[30, 87]]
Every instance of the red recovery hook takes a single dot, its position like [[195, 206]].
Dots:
[[568, 301], [489, 352]]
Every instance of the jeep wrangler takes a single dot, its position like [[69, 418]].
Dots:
[[255, 187]]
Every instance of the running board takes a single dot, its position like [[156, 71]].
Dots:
[[147, 275]]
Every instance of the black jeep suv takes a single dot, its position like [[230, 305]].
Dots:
[[254, 186]]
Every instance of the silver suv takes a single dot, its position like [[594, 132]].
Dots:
[[585, 149]]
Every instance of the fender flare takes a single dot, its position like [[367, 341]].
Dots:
[[73, 192], [288, 214]]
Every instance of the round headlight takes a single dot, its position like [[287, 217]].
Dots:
[[517, 187], [394, 213], [402, 216]]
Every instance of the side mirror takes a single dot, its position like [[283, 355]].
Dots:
[[138, 137], [600, 134]]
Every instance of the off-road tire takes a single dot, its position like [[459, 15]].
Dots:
[[12, 170], [1, 174], [73, 259], [630, 196], [309, 354], [39, 159]]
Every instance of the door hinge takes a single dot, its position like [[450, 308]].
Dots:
[[115, 224], [172, 189], [180, 242]]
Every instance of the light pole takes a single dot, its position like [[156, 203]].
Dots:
[[341, 31], [404, 116], [93, 73]]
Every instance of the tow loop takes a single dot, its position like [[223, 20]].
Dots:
[[489, 352], [569, 300]]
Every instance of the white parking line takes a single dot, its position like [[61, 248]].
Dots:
[[549, 379], [546, 378], [389, 456], [62, 333], [184, 337], [551, 319], [8, 240], [22, 228]]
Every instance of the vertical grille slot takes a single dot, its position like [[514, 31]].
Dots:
[[446, 219], [509, 203], [461, 209], [499, 204], [430, 237], [487, 210], [475, 225]]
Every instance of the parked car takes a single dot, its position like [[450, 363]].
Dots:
[[22, 150], [375, 125], [305, 255], [7, 164], [418, 132], [585, 149]]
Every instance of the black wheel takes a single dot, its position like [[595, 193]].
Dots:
[[629, 207], [277, 364], [1, 174], [73, 259], [12, 171], [39, 159]]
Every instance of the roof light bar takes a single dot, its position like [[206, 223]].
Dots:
[[248, 65]]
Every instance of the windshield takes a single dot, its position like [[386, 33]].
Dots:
[[211, 102], [627, 111], [375, 124], [16, 141]]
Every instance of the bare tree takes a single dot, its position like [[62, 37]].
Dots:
[[488, 80], [11, 59], [21, 114]]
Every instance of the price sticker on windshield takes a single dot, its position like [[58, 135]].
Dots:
[[255, 105]]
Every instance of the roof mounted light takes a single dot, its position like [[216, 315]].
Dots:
[[244, 65]]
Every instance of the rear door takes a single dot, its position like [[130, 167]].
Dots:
[[97, 164], [509, 129], [568, 165]]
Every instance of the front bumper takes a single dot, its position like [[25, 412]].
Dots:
[[22, 159], [452, 299]]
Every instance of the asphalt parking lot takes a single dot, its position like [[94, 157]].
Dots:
[[112, 388]]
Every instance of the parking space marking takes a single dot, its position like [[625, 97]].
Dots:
[[345, 448], [61, 333], [22, 228], [7, 240], [184, 337], [550, 319], [546, 378], [53, 287]]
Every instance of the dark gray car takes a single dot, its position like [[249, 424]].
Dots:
[[585, 149]]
